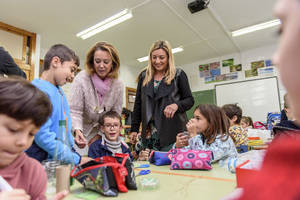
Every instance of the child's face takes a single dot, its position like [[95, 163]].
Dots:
[[64, 72], [111, 128], [200, 121], [244, 124], [16, 136], [287, 57]]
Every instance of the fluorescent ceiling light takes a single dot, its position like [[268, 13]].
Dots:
[[105, 24], [256, 27], [175, 50], [143, 59]]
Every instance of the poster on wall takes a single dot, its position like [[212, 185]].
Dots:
[[268, 63], [204, 70], [254, 66], [266, 71], [250, 73], [231, 76], [235, 68], [257, 64], [215, 69], [221, 77], [209, 79], [228, 62], [204, 74]]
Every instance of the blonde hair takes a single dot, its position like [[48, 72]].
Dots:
[[171, 70], [104, 46]]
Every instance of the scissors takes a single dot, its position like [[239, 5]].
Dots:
[[143, 172]]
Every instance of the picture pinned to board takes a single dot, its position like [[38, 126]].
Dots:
[[212, 72], [231, 76], [257, 64], [222, 77], [204, 70], [235, 68], [227, 63], [215, 69], [250, 73], [254, 66], [268, 63], [210, 79], [265, 71]]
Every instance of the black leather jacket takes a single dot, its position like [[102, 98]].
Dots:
[[8, 65], [149, 106]]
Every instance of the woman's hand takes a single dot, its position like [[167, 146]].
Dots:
[[170, 110], [182, 140], [15, 194], [80, 139], [61, 195], [192, 127]]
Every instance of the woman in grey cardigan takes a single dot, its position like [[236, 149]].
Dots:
[[95, 90]]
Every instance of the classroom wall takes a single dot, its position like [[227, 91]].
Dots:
[[245, 58], [128, 76]]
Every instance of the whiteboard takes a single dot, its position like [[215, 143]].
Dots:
[[256, 97]]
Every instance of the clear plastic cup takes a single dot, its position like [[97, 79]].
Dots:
[[49, 167]]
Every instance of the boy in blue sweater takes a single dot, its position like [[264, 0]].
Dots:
[[109, 142], [60, 64]]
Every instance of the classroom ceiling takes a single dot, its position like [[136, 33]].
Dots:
[[203, 35]]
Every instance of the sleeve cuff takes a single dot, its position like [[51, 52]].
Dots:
[[77, 158]]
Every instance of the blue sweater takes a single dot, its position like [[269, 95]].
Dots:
[[46, 138], [99, 149]]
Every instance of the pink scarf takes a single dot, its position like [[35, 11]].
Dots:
[[102, 86]]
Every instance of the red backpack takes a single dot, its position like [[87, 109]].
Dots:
[[107, 175]]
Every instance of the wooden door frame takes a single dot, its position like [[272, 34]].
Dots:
[[128, 90], [32, 45]]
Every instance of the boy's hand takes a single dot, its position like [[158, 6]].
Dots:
[[191, 127], [170, 110], [61, 195], [182, 140], [80, 139], [85, 160], [16, 194]]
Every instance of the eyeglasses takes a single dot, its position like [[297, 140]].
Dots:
[[109, 126]]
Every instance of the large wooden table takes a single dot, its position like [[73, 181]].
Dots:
[[174, 184]]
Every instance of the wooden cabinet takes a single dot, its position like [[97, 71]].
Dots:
[[130, 98]]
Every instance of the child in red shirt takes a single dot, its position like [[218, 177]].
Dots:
[[23, 109]]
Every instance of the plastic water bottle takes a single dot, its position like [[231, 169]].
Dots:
[[62, 147], [63, 142]]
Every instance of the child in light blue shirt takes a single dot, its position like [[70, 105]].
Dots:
[[208, 131]]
